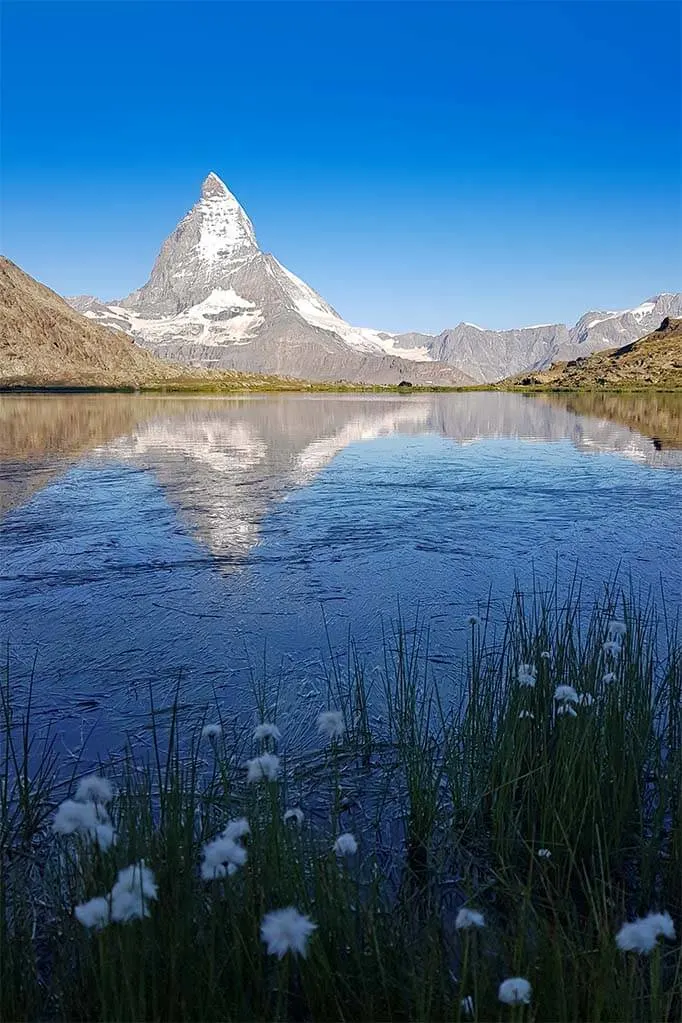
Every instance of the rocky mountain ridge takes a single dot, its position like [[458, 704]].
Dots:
[[492, 355], [651, 361]]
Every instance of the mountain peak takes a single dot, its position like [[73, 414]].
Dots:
[[214, 186]]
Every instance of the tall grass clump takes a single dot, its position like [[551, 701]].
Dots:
[[502, 844]]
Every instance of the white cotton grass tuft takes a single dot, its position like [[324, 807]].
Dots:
[[262, 768], [72, 816], [585, 699], [566, 710], [608, 677], [135, 887], [345, 845], [211, 731], [546, 655], [128, 900], [104, 836], [236, 829], [94, 914], [523, 714], [467, 1006], [565, 694], [612, 649], [295, 814], [330, 723], [266, 731], [94, 789], [87, 819], [544, 854], [642, 934], [616, 631], [286, 930], [467, 918], [515, 991], [526, 675], [222, 857]]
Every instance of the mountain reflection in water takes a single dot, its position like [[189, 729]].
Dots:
[[222, 462]]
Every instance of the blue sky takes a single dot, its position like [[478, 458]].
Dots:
[[418, 164]]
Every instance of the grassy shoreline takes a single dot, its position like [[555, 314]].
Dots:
[[303, 387], [554, 813]]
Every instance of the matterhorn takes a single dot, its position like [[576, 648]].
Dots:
[[214, 299]]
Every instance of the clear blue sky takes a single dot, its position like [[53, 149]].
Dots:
[[417, 164]]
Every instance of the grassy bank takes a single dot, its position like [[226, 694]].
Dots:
[[554, 813], [256, 384]]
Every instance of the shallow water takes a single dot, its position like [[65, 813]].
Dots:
[[143, 538]]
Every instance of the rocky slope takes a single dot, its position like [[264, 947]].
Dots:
[[45, 342], [652, 361], [214, 299]]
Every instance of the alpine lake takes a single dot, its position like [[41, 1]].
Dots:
[[152, 545]]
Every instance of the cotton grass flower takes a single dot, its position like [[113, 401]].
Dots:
[[526, 675], [546, 655], [467, 918], [345, 845], [467, 1006], [612, 649], [94, 789], [104, 836], [72, 816], [134, 889], [286, 930], [585, 699], [526, 714], [565, 694], [616, 631], [330, 723], [643, 933], [87, 819], [94, 914], [515, 991], [608, 678], [211, 731], [566, 710], [544, 854], [236, 829], [295, 814], [222, 858], [266, 731], [262, 768]]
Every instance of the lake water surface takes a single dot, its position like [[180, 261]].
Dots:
[[145, 537]]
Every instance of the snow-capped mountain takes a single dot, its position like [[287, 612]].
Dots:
[[491, 355], [214, 299]]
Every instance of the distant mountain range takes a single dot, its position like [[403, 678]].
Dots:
[[652, 361], [214, 299], [492, 355]]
